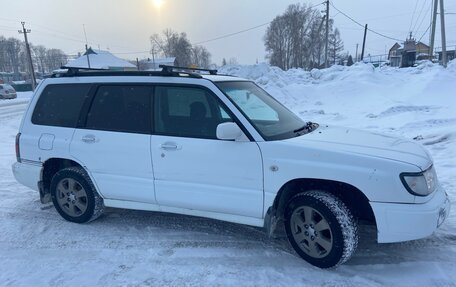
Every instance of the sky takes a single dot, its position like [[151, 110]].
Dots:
[[124, 26]]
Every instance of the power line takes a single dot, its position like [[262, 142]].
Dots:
[[245, 30], [413, 15], [361, 25], [417, 19], [429, 27], [386, 17], [233, 34]]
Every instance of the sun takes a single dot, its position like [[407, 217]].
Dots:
[[158, 3]]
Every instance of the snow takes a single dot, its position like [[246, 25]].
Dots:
[[136, 248], [100, 60]]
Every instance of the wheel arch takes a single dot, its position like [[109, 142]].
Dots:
[[50, 167], [353, 198]]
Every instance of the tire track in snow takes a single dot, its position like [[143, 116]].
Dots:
[[12, 109]]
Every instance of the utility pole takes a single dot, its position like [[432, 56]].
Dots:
[[356, 56], [442, 24], [434, 22], [29, 55], [364, 43], [327, 34], [87, 49], [87, 54], [137, 63]]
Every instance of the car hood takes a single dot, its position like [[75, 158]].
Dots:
[[365, 143]]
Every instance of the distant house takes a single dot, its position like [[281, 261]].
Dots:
[[101, 60], [407, 55], [395, 55], [422, 51], [451, 55], [6, 77], [154, 64]]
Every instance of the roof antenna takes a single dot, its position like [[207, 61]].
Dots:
[[87, 50]]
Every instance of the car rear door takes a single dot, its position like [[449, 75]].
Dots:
[[113, 142]]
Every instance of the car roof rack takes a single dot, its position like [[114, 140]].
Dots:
[[167, 71], [180, 69]]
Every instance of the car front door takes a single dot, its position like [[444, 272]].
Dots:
[[192, 168], [113, 142]]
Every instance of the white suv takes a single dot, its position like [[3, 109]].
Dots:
[[221, 147]]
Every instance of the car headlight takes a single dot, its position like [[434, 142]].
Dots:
[[421, 183]]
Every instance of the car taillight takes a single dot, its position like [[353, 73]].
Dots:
[[18, 151]]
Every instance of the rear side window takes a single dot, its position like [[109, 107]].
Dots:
[[60, 105], [121, 109]]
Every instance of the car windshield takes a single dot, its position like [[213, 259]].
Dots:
[[269, 117]]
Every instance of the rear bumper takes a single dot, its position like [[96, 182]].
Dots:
[[403, 222], [27, 174]]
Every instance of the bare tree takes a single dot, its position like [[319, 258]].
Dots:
[[173, 44], [201, 57], [14, 47], [177, 45], [13, 57], [55, 58], [296, 38], [233, 61], [336, 46], [40, 58]]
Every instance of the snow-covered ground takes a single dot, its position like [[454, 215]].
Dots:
[[135, 248]]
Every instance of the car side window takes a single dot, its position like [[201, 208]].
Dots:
[[121, 108], [60, 105], [187, 112]]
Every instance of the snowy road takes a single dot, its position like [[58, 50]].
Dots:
[[12, 109], [135, 248]]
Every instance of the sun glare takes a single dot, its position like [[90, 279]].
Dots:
[[158, 3]]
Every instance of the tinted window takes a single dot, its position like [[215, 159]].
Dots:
[[122, 109], [60, 105], [187, 112]]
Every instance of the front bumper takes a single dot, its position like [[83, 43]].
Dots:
[[403, 222], [27, 174]]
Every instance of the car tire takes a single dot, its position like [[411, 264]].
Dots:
[[321, 228], [74, 195]]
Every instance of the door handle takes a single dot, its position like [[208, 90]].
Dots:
[[169, 146], [89, 139]]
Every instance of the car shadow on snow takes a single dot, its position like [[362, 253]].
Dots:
[[202, 232]]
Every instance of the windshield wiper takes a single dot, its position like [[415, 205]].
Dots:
[[309, 127]]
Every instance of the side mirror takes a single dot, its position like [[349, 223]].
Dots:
[[228, 131]]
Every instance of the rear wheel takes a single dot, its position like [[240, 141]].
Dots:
[[74, 195], [321, 228]]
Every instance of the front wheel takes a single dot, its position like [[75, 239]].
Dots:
[[321, 228], [74, 195]]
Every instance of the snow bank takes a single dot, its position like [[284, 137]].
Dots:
[[363, 96]]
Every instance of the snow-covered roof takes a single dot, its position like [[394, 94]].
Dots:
[[100, 59], [162, 60]]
